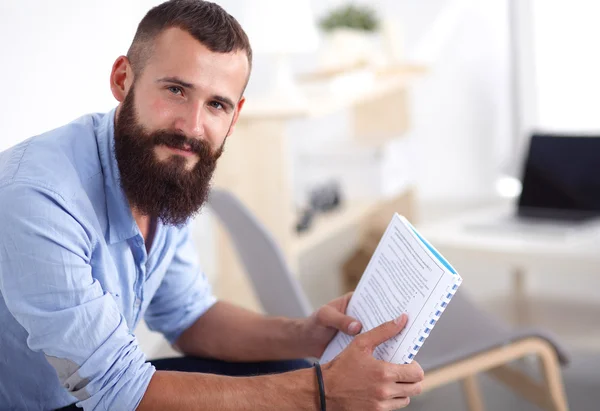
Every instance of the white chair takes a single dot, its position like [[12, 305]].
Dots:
[[276, 288]]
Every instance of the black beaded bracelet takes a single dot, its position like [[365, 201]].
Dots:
[[321, 385]]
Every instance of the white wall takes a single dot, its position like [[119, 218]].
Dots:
[[56, 59], [567, 64], [462, 111]]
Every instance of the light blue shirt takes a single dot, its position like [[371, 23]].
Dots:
[[75, 278]]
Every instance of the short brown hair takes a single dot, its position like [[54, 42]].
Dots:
[[207, 22]]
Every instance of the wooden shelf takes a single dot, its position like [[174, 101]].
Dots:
[[328, 224], [327, 102], [350, 214]]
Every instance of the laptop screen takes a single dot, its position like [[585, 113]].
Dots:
[[561, 177]]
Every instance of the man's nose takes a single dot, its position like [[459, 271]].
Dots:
[[191, 123]]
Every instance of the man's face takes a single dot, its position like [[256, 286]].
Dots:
[[173, 123]]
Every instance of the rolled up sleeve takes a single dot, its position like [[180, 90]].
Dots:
[[47, 283], [184, 294]]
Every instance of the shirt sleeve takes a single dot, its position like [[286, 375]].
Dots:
[[184, 294], [47, 283]]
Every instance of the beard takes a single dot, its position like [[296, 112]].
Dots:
[[165, 190]]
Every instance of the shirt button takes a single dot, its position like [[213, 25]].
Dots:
[[137, 302]]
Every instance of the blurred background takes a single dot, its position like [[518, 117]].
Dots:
[[356, 110]]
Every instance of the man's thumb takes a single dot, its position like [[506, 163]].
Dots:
[[384, 332]]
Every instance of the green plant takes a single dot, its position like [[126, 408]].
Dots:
[[350, 16]]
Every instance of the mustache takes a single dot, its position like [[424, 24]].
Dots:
[[200, 147]]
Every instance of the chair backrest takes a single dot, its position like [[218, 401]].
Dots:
[[278, 291]]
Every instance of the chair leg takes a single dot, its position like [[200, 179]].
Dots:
[[553, 380], [523, 385], [472, 393], [549, 394]]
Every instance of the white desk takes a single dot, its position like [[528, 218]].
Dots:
[[457, 240]]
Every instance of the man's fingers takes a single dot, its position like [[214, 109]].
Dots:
[[372, 338], [396, 403], [399, 390], [331, 317], [408, 390], [407, 372]]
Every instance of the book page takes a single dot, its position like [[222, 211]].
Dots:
[[403, 276]]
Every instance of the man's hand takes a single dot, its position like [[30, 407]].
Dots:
[[355, 380], [323, 324]]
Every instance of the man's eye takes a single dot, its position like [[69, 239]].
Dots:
[[175, 90], [217, 105]]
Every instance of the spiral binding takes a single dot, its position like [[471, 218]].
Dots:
[[433, 318]]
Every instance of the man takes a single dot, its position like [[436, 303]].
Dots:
[[95, 236]]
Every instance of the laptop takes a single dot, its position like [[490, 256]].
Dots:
[[560, 187]]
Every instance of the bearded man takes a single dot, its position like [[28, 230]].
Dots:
[[95, 236]]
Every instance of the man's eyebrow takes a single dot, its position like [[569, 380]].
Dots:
[[176, 80], [225, 100]]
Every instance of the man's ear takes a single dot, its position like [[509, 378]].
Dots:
[[121, 78], [236, 115]]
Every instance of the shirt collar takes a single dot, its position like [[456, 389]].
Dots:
[[121, 224]]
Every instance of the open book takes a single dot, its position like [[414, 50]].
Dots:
[[405, 275]]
